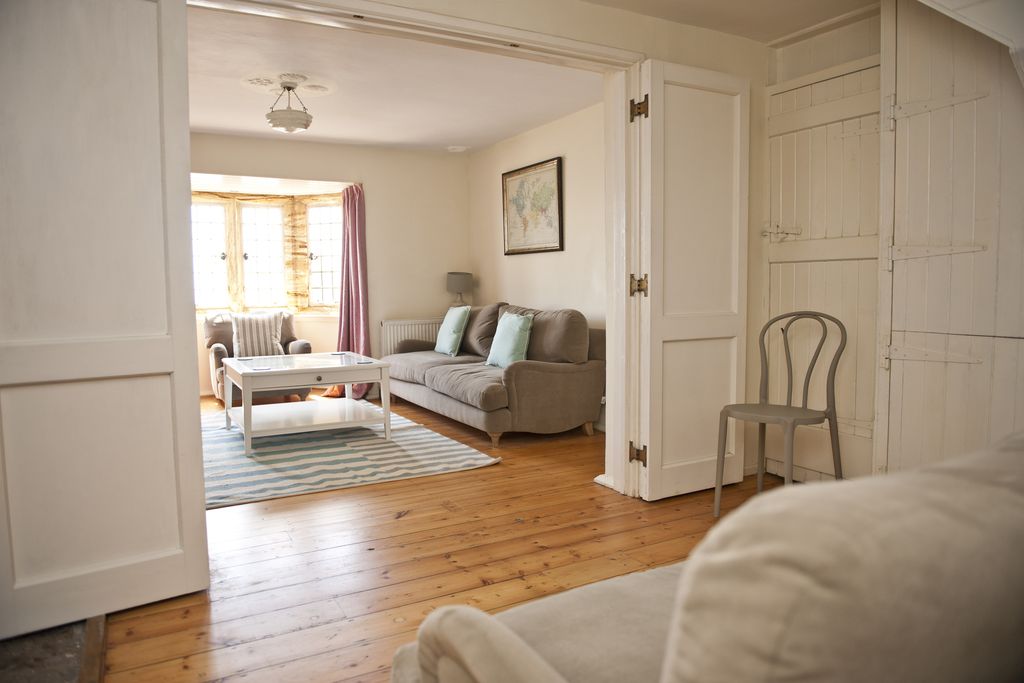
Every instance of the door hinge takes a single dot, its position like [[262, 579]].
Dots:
[[910, 252], [641, 108], [908, 109], [638, 285], [910, 353], [890, 111], [638, 453]]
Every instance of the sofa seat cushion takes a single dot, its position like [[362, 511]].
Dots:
[[478, 385], [412, 367], [572, 631]]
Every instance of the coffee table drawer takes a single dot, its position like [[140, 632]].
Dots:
[[315, 378]]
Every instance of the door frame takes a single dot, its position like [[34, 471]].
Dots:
[[886, 232], [621, 77]]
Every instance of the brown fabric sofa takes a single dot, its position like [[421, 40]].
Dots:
[[558, 387], [217, 330]]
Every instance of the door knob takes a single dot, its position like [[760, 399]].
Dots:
[[319, 378]]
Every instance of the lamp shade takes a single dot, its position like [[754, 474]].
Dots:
[[460, 283]]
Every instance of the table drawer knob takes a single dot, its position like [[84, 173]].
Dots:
[[319, 378]]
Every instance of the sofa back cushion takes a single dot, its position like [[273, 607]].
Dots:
[[217, 329], [257, 334], [557, 336], [480, 329], [907, 577]]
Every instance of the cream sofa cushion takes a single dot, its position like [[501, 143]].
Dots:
[[917, 576]]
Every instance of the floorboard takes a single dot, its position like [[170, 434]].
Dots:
[[325, 586]]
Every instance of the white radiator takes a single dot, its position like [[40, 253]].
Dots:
[[394, 331]]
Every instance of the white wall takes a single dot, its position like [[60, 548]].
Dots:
[[573, 278], [416, 217]]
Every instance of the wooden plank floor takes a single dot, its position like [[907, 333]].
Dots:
[[324, 587]]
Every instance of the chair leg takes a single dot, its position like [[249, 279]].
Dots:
[[761, 456], [723, 433], [789, 432], [833, 432], [588, 428]]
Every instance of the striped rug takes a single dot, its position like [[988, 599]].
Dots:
[[320, 461]]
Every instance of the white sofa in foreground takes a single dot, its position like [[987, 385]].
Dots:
[[917, 576]]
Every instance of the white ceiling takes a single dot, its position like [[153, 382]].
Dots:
[[385, 91], [761, 20]]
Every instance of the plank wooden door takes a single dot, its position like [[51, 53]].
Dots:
[[693, 160], [955, 375], [823, 251], [101, 489]]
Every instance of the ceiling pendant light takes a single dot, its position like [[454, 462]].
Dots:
[[289, 120]]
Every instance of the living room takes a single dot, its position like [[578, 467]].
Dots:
[[806, 197]]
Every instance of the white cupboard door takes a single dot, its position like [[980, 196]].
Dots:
[[101, 490], [693, 247], [956, 351], [822, 255]]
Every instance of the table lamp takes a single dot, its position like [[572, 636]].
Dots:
[[459, 283]]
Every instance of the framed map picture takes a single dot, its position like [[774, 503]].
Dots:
[[532, 199]]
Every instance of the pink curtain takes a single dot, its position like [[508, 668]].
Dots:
[[353, 323]]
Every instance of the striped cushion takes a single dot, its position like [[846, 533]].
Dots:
[[257, 334]]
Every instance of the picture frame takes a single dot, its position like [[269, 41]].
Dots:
[[531, 199]]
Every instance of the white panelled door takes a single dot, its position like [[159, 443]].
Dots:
[[955, 375], [693, 161], [101, 489]]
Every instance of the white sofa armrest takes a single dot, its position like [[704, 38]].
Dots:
[[461, 643]]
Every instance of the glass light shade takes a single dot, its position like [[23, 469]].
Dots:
[[289, 120]]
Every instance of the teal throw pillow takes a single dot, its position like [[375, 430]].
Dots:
[[449, 337], [510, 340]]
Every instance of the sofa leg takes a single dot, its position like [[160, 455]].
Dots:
[[588, 428], [495, 438]]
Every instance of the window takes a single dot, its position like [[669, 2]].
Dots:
[[324, 224], [209, 255], [261, 251]]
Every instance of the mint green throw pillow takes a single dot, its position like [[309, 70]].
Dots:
[[510, 340], [449, 337]]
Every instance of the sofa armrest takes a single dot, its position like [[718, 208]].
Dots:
[[553, 397], [410, 345], [299, 346], [475, 646], [218, 352]]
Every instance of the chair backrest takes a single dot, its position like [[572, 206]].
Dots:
[[790, 318]]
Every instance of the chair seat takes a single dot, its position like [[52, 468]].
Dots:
[[775, 414]]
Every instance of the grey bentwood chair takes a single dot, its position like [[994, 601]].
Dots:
[[788, 416]]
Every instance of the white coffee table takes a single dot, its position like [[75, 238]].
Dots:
[[261, 373]]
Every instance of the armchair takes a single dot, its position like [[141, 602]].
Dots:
[[218, 332]]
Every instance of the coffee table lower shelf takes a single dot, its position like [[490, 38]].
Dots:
[[307, 416]]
